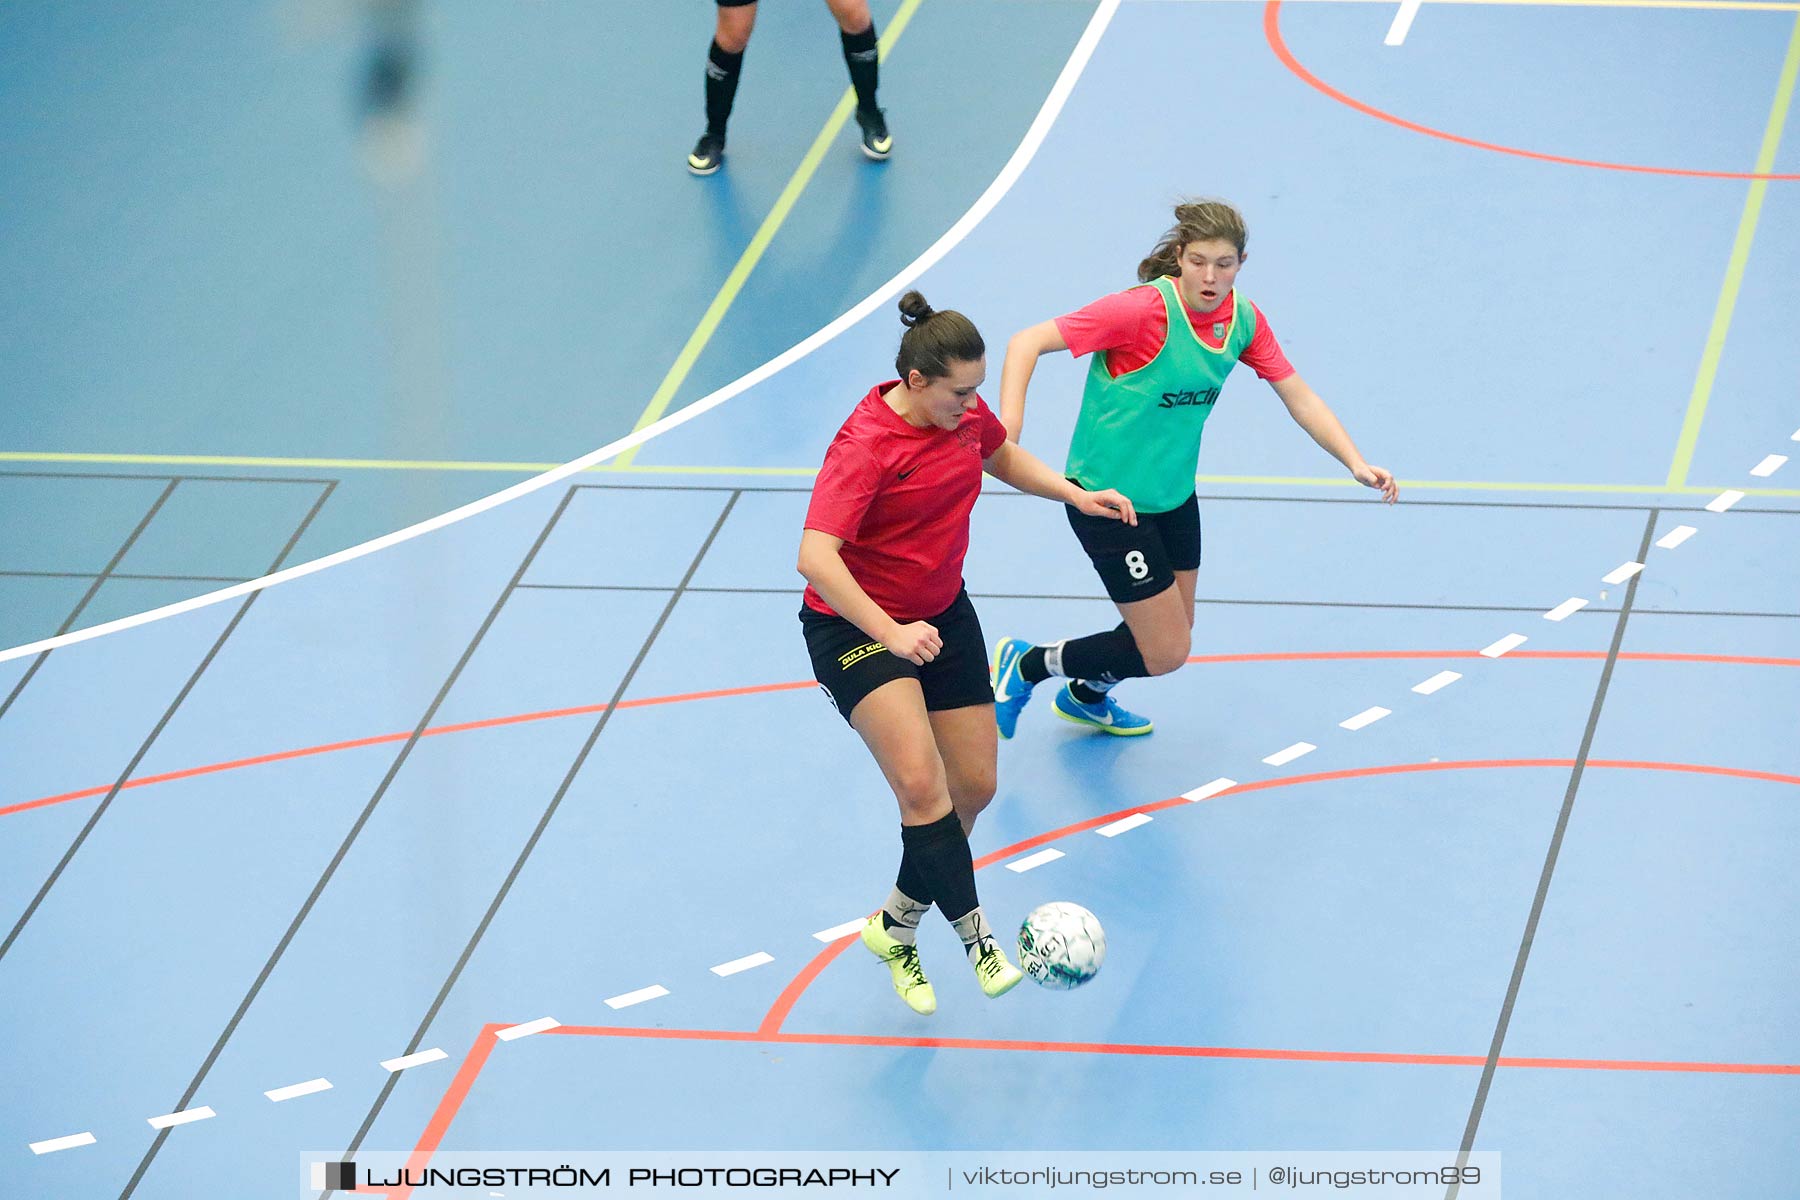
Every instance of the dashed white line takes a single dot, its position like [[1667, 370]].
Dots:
[[654, 991], [1123, 824], [1021, 865], [745, 963], [1724, 500], [1768, 466], [1403, 20], [1282, 758], [62, 1143], [414, 1060], [1676, 536], [1622, 572], [1505, 645], [1561, 611], [295, 1090], [514, 1032], [840, 931], [1438, 682], [1207, 791], [1365, 718], [185, 1117]]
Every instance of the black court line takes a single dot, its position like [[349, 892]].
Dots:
[[168, 714], [350, 837], [1410, 502], [1550, 857], [121, 575], [418, 1037], [93, 590], [1592, 610]]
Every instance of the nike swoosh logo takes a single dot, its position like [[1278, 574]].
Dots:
[[908, 471]]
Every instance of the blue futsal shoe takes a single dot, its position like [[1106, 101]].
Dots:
[[1105, 716], [1010, 689]]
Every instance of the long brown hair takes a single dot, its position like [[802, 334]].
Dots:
[[934, 339], [1195, 221]]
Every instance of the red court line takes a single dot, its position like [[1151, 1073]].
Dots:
[[790, 996], [1172, 1051], [1272, 31], [803, 684], [769, 1031]]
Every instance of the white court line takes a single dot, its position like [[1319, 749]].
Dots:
[[187, 1117], [1438, 682], [1021, 865], [1505, 645], [1282, 758], [1724, 500], [1120, 826], [1676, 536], [747, 962], [840, 931], [295, 1090], [1403, 20], [62, 1143], [1622, 572], [513, 1032], [653, 992], [978, 212], [1768, 466], [1365, 718], [1796, 437], [1561, 611], [414, 1060], [1207, 791]]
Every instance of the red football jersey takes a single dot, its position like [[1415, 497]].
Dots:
[[900, 497]]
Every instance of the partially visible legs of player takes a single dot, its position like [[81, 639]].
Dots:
[[724, 62], [862, 56], [936, 866]]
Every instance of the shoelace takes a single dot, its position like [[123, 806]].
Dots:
[[908, 958], [990, 963]]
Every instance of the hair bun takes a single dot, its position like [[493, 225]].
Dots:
[[914, 311]]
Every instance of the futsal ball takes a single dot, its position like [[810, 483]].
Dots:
[[1061, 945]]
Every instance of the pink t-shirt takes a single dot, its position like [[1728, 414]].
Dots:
[[1131, 326], [900, 497]]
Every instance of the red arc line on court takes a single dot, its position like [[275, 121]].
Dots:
[[237, 764], [1272, 31], [770, 1032]]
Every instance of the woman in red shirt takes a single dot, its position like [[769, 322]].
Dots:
[[895, 642]]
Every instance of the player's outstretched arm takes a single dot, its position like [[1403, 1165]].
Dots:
[[1312, 414], [1022, 352], [1018, 467]]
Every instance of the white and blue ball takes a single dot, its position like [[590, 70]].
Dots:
[[1061, 945]]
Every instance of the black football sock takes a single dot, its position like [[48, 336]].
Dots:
[[722, 69]]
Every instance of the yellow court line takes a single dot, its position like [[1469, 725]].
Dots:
[[528, 468], [784, 204], [1734, 270]]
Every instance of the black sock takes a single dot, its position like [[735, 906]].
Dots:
[[910, 880], [1031, 666], [722, 70], [1104, 657], [864, 60], [940, 852], [1084, 693]]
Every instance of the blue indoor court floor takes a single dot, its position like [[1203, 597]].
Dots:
[[1422, 856]]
